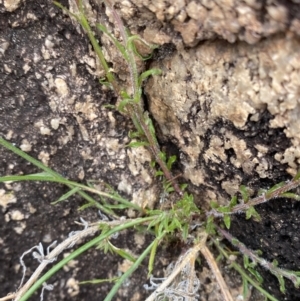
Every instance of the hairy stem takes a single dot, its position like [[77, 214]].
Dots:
[[267, 196], [135, 110], [278, 272]]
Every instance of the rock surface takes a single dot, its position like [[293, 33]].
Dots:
[[227, 104]]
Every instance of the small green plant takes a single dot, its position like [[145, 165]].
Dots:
[[181, 281]]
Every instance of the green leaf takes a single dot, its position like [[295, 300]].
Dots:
[[149, 123], [261, 191], [281, 283], [220, 257], [224, 209], [258, 252], [131, 46], [159, 173], [163, 156], [154, 222], [105, 82], [290, 195], [258, 277], [245, 288], [109, 106], [244, 192], [235, 241], [120, 47], [125, 95], [122, 253], [40, 174], [227, 220], [271, 190], [152, 257], [251, 212], [66, 10], [170, 162], [185, 231], [210, 227], [148, 73], [66, 195], [124, 103], [183, 186], [297, 176], [119, 206], [134, 135], [152, 163], [137, 144], [214, 205], [246, 261], [233, 201], [83, 207], [275, 263], [169, 188]]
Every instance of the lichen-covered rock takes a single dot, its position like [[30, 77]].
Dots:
[[205, 87], [196, 21]]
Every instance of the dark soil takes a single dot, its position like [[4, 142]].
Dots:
[[25, 107]]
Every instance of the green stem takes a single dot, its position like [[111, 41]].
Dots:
[[130, 54], [56, 177], [70, 184], [85, 24]]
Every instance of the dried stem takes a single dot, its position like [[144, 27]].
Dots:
[[8, 297], [67, 243], [189, 256], [215, 269], [70, 241]]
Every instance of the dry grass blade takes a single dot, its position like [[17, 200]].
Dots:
[[214, 268]]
